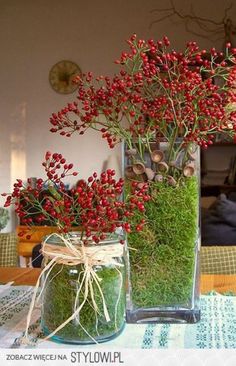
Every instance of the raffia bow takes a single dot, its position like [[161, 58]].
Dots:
[[72, 254]]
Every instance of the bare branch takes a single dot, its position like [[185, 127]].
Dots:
[[226, 12], [195, 33], [204, 27], [192, 17], [159, 20], [210, 26]]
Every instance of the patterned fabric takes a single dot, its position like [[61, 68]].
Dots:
[[217, 328], [218, 259], [8, 250]]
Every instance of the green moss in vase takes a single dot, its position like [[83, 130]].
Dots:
[[162, 262]]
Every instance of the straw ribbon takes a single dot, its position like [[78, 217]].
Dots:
[[73, 253]]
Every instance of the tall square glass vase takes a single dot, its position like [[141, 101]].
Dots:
[[163, 276]]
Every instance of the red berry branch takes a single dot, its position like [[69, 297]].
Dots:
[[94, 205], [158, 92]]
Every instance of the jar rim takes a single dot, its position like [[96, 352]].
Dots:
[[112, 238]]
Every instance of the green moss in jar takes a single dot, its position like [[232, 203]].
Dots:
[[59, 299]]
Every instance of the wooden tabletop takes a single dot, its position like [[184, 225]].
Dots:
[[219, 283], [20, 276], [29, 276]]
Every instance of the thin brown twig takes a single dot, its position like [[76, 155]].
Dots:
[[225, 25], [226, 12], [187, 16]]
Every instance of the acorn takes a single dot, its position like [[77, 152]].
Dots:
[[157, 156], [129, 173], [139, 168], [158, 178], [150, 173], [188, 170], [162, 167]]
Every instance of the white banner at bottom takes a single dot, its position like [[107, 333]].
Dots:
[[121, 357]]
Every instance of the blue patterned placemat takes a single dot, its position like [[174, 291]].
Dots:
[[217, 328]]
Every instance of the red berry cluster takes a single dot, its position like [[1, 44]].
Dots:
[[94, 205], [100, 206], [158, 90], [56, 167]]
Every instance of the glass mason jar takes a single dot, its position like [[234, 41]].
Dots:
[[61, 298], [163, 273]]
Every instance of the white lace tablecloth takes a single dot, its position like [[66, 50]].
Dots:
[[217, 328]]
